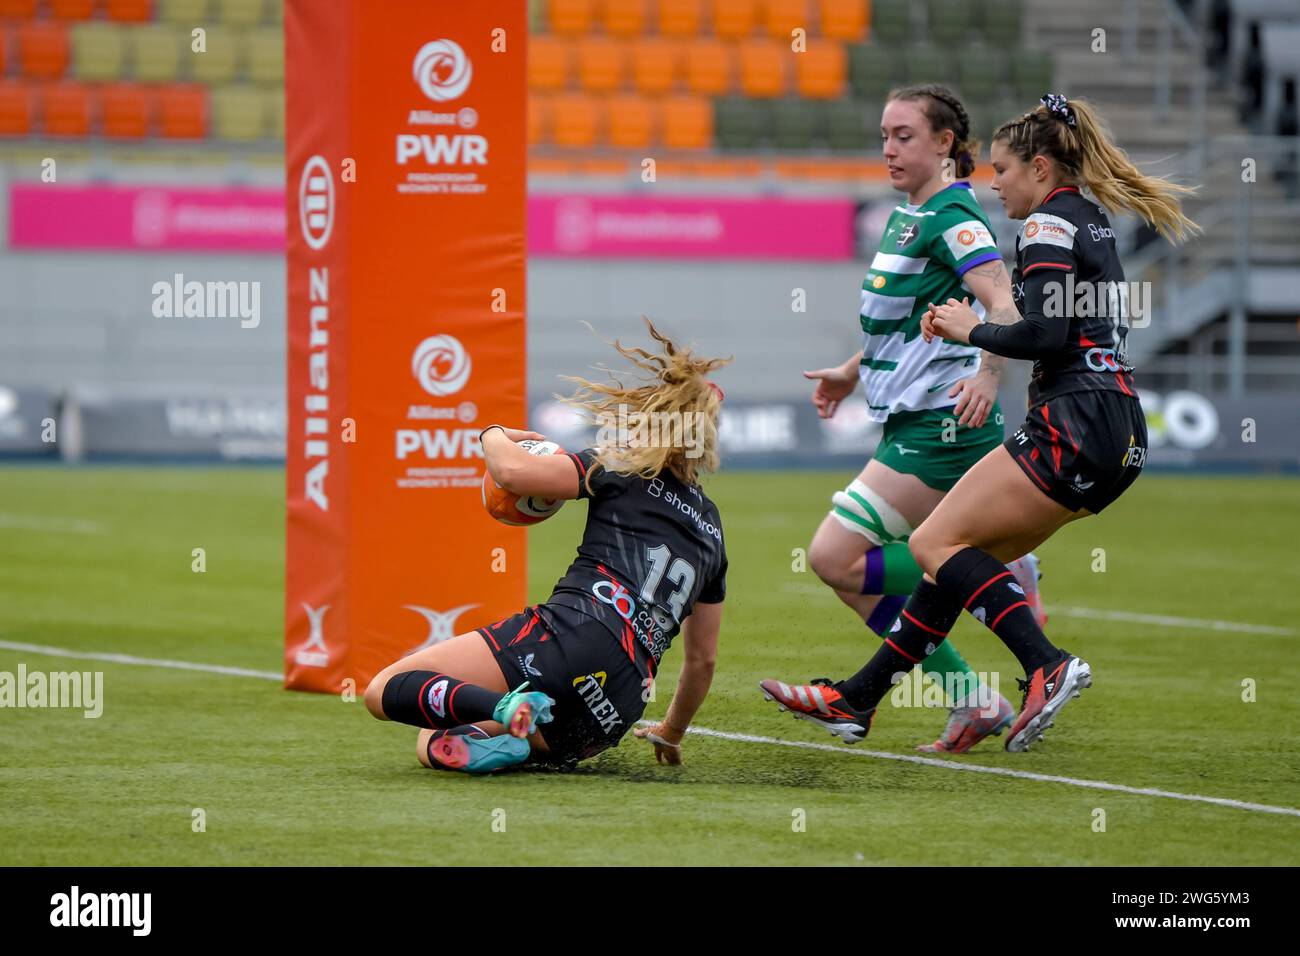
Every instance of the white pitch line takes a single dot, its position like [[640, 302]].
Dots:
[[721, 734], [1163, 620], [1102, 614], [139, 661], [56, 525], [998, 771]]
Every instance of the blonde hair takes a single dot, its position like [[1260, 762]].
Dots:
[[677, 385], [944, 110], [1086, 153]]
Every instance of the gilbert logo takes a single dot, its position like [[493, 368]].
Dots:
[[306, 656], [103, 909], [441, 365], [316, 202], [442, 624], [442, 70]]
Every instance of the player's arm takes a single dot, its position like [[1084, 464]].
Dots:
[[700, 641], [1038, 334], [511, 467]]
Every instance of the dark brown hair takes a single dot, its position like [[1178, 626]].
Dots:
[[945, 111]]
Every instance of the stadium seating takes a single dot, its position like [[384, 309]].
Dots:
[[602, 74]]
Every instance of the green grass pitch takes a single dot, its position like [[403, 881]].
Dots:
[[98, 559]]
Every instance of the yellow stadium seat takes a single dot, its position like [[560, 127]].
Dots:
[[821, 70], [98, 51], [184, 13], [274, 105], [680, 18], [156, 52], [266, 56], [709, 66], [734, 19], [687, 122], [238, 113], [571, 17], [238, 13], [548, 62], [219, 62], [655, 65], [763, 68], [602, 64], [631, 123]]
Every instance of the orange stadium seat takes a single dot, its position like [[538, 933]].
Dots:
[[844, 19], [783, 16], [625, 18], [654, 64], [571, 17], [125, 111], [16, 108], [763, 68], [709, 66], [632, 121], [539, 117], [183, 112], [734, 19], [65, 109], [548, 63], [43, 49], [129, 11], [821, 70], [680, 18], [575, 120], [17, 9], [687, 122], [72, 9], [602, 64]]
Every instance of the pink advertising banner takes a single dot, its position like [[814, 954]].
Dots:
[[137, 218], [144, 217]]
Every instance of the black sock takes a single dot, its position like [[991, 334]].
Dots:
[[990, 592], [922, 626], [430, 699]]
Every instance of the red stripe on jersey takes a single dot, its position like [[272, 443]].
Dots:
[[1063, 266], [1056, 442], [996, 577], [1033, 455], [1066, 423], [492, 640], [1086, 343], [1119, 377], [1060, 189], [1029, 470], [582, 472]]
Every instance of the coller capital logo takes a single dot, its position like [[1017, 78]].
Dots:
[[442, 70]]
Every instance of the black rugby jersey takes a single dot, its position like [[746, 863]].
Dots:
[[1069, 286], [651, 549]]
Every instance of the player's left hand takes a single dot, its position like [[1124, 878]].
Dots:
[[954, 320], [667, 743], [975, 397]]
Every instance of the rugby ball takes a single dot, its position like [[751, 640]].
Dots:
[[521, 510]]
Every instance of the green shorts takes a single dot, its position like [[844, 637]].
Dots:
[[931, 445]]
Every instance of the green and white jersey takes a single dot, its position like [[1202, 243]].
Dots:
[[923, 255]]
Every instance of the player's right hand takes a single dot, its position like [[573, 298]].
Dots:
[[667, 743], [833, 386]]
